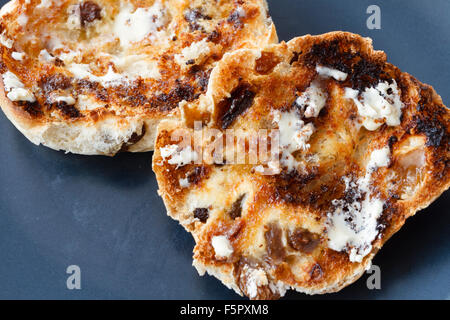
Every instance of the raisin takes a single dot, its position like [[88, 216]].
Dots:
[[241, 99], [243, 274], [236, 208], [316, 272], [201, 214], [197, 175], [59, 62], [274, 243], [303, 240], [135, 138], [89, 11]]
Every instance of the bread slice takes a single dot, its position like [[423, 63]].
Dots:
[[96, 76], [361, 147]]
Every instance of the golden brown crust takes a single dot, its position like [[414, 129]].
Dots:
[[124, 81], [280, 227]]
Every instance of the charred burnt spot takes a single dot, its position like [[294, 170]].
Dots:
[[285, 196], [444, 163], [241, 98], [132, 94], [102, 94], [54, 82], [67, 109], [89, 12], [235, 210], [390, 211], [266, 63], [86, 85], [137, 99], [303, 240], [295, 57], [194, 70], [363, 72], [235, 19], [402, 84], [429, 121], [32, 108], [214, 37], [347, 197], [58, 62], [135, 138], [366, 73], [426, 98], [324, 188], [169, 101], [328, 53], [193, 16], [201, 214], [290, 184], [351, 195], [433, 129], [393, 195], [276, 252], [184, 91], [58, 82], [392, 141], [197, 174], [3, 67], [201, 77], [441, 163]]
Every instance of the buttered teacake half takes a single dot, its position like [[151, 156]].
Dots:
[[96, 76], [348, 147]]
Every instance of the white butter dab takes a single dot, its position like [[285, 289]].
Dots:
[[378, 105]]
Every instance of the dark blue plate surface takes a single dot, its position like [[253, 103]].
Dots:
[[104, 215]]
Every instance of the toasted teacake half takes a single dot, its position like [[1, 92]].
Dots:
[[96, 76], [360, 147]]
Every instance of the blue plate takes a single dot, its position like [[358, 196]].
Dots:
[[104, 215]]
